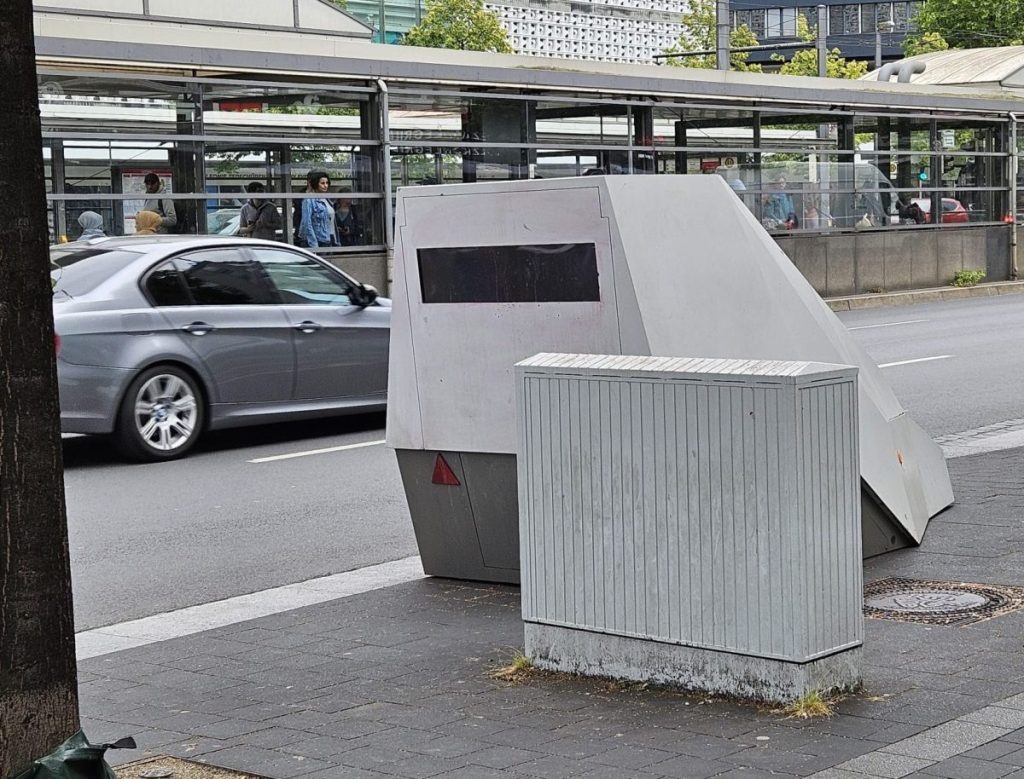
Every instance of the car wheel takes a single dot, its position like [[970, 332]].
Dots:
[[161, 415]]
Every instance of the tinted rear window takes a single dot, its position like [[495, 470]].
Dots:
[[80, 271]]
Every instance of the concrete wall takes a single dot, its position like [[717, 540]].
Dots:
[[842, 264], [857, 263]]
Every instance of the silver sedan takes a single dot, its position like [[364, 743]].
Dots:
[[162, 337]]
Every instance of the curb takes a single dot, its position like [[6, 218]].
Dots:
[[932, 295]]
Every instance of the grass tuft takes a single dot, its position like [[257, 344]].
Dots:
[[519, 670], [810, 706]]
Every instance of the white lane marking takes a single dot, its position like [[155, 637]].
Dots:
[[888, 324], [1008, 434], [919, 359], [195, 619], [311, 452]]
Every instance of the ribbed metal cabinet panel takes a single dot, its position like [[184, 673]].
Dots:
[[710, 503]]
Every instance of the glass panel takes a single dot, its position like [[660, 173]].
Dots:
[[773, 23], [282, 112], [851, 19], [757, 23], [165, 287], [835, 20], [224, 277], [788, 22], [117, 105], [79, 271], [901, 16], [301, 280], [867, 18]]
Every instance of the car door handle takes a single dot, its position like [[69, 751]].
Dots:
[[198, 328], [308, 327]]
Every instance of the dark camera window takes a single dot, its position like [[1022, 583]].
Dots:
[[224, 278], [166, 288], [542, 273]]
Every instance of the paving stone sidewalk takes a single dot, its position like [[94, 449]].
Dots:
[[394, 683]]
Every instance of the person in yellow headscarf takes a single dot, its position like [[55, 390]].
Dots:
[[147, 223]]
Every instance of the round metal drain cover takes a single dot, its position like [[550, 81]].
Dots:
[[928, 601], [939, 603]]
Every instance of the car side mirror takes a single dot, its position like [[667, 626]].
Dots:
[[365, 295]]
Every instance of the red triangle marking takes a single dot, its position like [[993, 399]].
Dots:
[[443, 474]]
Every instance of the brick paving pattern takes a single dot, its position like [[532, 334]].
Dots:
[[394, 683]]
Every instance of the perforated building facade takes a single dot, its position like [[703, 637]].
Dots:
[[620, 31]]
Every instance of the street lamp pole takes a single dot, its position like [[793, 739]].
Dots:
[[886, 26]]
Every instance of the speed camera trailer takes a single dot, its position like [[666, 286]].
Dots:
[[488, 274]]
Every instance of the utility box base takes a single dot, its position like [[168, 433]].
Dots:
[[554, 648]]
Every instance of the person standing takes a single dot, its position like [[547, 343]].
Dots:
[[147, 223], [350, 231], [159, 203], [316, 226], [259, 218], [91, 224], [780, 206]]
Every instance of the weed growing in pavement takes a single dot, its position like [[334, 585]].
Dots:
[[967, 278], [810, 706], [519, 670]]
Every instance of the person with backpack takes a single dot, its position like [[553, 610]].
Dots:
[[160, 205], [259, 218]]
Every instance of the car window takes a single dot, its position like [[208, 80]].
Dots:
[[949, 205], [166, 287], [80, 271], [303, 280], [224, 277]]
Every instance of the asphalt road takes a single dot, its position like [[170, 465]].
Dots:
[[155, 537], [152, 538], [977, 380]]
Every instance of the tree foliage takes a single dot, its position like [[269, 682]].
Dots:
[[805, 61], [968, 24], [459, 24], [924, 43], [700, 34]]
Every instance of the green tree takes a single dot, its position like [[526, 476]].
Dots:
[[968, 24], [924, 43], [700, 34], [459, 24], [38, 689], [805, 61], [342, 4]]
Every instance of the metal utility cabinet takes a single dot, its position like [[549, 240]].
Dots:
[[691, 521]]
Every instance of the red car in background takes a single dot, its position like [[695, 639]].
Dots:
[[953, 210]]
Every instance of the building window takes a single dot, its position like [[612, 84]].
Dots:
[[867, 18], [810, 14], [835, 20], [851, 19]]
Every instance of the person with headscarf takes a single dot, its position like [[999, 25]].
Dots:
[[91, 224], [147, 223]]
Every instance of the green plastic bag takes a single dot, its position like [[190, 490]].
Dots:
[[76, 758]]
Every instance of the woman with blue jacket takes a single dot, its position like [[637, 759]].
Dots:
[[316, 227]]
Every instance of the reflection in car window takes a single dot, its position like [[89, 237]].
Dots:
[[80, 271], [166, 287], [224, 277], [302, 280]]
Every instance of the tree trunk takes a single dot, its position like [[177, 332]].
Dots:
[[38, 688]]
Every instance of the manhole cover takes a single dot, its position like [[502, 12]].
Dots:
[[939, 603]]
